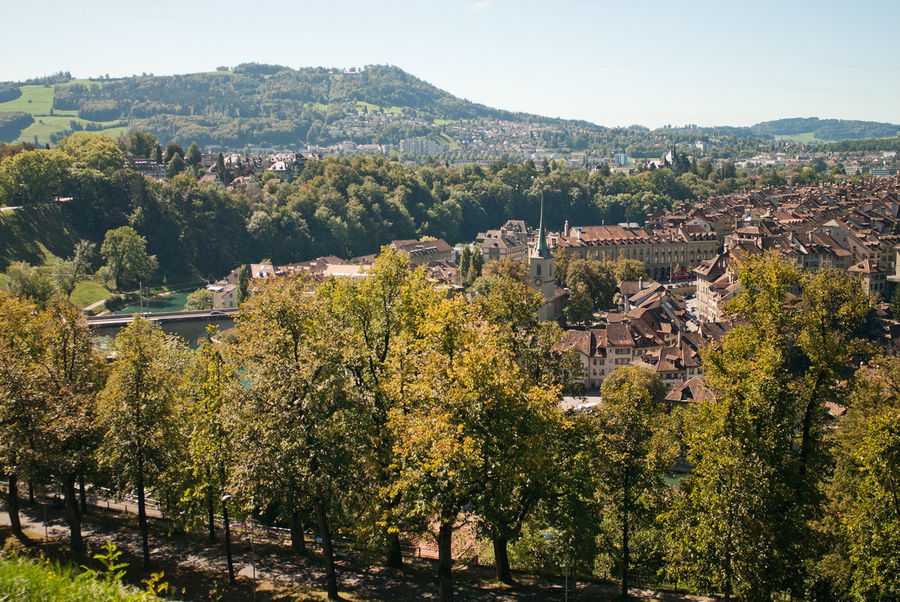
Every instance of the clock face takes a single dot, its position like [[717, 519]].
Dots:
[[538, 282]]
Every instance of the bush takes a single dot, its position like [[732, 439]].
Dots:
[[25, 579]]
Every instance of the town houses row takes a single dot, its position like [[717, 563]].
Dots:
[[691, 258]]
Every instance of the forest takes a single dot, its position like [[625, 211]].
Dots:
[[440, 414], [335, 206]]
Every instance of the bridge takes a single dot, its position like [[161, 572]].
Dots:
[[119, 320]]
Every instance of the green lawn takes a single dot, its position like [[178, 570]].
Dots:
[[44, 126], [87, 292], [805, 137], [37, 100], [161, 303]]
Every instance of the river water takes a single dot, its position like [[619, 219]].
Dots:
[[190, 332]]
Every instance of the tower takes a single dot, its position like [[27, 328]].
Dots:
[[542, 270]]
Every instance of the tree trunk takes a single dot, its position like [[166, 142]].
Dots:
[[298, 540], [12, 506], [73, 517], [501, 559], [394, 552], [445, 561], [327, 550], [625, 552], [142, 522], [210, 516], [82, 495], [31, 493], [228, 540]]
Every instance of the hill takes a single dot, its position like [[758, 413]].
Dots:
[[251, 104], [812, 129], [273, 106]]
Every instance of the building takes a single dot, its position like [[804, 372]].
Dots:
[[542, 275], [510, 241], [663, 252]]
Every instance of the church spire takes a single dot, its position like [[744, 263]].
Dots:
[[540, 245]]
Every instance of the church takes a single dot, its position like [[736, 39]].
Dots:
[[542, 275]]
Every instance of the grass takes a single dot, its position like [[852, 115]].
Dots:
[[161, 303], [87, 292], [805, 137], [35, 99], [32, 234], [30, 580], [38, 101]]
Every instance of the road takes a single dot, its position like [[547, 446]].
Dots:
[[171, 316]]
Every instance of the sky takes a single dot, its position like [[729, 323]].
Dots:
[[649, 62]]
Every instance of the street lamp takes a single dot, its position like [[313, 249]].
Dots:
[[225, 499]]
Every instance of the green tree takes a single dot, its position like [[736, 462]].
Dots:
[[22, 405], [476, 265], [860, 528], [28, 281], [201, 298], [742, 522], [67, 273], [93, 151], [455, 378], [175, 166], [465, 262], [72, 375], [304, 428], [194, 157], [243, 278], [380, 310], [208, 382], [636, 450], [137, 412], [221, 171], [141, 144], [172, 149], [35, 176], [125, 254]]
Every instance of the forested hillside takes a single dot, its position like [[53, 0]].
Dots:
[[272, 106], [344, 207]]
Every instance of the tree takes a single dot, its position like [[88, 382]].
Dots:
[[141, 144], [194, 157], [221, 171], [28, 281], [454, 378], [581, 306], [125, 253], [202, 298], [207, 384], [304, 430], [21, 402], [636, 451], [742, 522], [136, 411], [172, 149], [175, 166], [860, 529], [68, 272], [380, 310], [71, 377], [628, 269], [465, 262], [35, 176], [519, 447], [476, 265], [93, 151], [243, 278]]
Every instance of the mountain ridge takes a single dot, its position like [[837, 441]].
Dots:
[[254, 104]]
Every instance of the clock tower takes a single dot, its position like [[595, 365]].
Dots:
[[542, 271]]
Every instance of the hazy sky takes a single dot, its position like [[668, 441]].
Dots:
[[614, 63]]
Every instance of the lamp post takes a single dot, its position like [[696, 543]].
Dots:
[[225, 499]]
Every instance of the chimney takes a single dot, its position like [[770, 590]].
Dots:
[[566, 228], [640, 283]]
